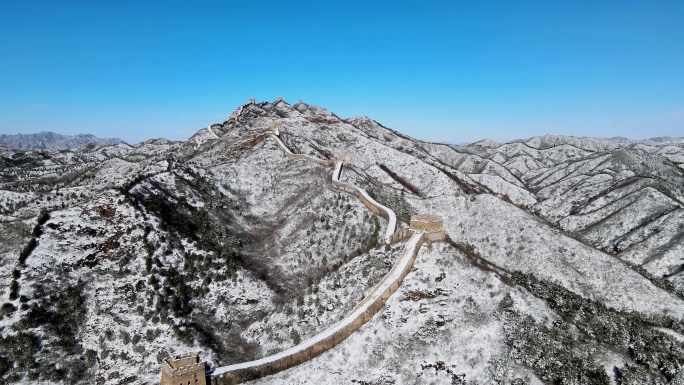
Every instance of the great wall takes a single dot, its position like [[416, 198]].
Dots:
[[188, 369]]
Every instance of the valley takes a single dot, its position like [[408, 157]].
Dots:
[[563, 261]]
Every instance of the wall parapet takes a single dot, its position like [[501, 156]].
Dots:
[[432, 225], [362, 312], [292, 155], [400, 235], [360, 193], [366, 199], [331, 337], [183, 368]]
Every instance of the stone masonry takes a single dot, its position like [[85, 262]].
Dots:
[[431, 225], [185, 369]]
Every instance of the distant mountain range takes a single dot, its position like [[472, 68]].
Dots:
[[48, 139], [650, 141], [661, 140], [564, 262]]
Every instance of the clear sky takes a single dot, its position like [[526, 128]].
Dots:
[[451, 71]]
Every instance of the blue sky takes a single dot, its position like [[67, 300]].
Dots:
[[450, 71]]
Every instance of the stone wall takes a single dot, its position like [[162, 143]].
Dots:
[[182, 370], [292, 155], [432, 225], [372, 205], [401, 235], [362, 313], [435, 236], [276, 127], [374, 209], [427, 222], [182, 361]]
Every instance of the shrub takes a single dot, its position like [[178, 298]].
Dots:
[[7, 309], [658, 356], [27, 250], [14, 290], [296, 338]]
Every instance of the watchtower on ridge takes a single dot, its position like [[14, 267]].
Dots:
[[185, 369], [432, 225], [275, 126]]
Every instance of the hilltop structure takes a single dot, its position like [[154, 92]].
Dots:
[[185, 369], [423, 228], [432, 225], [534, 221]]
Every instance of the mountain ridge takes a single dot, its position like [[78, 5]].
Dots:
[[48, 139], [225, 245]]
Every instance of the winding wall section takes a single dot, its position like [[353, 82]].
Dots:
[[292, 155], [362, 313], [211, 131], [371, 203], [360, 193]]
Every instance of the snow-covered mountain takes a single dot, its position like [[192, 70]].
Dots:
[[563, 262], [48, 139]]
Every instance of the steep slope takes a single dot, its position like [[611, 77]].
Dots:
[[196, 254], [115, 256], [601, 192]]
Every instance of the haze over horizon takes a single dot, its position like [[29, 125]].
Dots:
[[444, 72]]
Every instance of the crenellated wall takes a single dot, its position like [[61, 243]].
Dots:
[[401, 235], [331, 337], [431, 225], [375, 207], [183, 369], [292, 155], [360, 314]]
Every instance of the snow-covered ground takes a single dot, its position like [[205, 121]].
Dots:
[[224, 245]]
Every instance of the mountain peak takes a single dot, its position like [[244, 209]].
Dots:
[[240, 243]]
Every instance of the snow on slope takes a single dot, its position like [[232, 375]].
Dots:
[[227, 246]]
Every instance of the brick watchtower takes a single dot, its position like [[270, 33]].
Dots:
[[185, 369], [431, 225]]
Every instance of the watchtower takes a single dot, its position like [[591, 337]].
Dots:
[[432, 225], [299, 101], [185, 369], [251, 101], [280, 99], [276, 127]]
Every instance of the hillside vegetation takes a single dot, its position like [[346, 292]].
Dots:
[[564, 264]]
